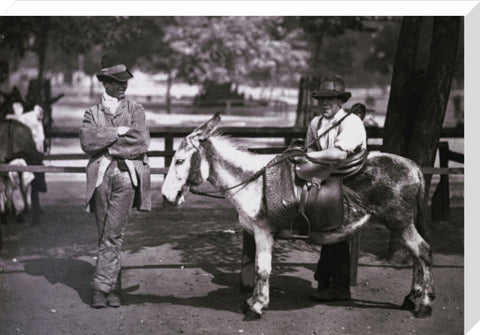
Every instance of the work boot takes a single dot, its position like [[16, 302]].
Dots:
[[322, 286], [332, 293], [113, 300], [98, 299]]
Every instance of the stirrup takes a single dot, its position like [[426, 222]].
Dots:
[[300, 226]]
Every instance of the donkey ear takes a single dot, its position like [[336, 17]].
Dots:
[[206, 129]]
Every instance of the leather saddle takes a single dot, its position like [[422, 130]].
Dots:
[[319, 195]]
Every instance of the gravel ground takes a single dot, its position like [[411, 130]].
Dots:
[[181, 273]]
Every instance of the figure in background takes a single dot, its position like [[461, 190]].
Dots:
[[13, 109], [365, 114]]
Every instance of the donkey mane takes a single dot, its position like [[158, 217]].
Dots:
[[234, 155]]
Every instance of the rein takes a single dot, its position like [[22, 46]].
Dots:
[[289, 153]]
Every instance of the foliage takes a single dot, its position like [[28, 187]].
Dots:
[[382, 51], [235, 49], [71, 35], [361, 49], [260, 51]]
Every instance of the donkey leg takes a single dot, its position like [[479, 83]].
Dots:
[[422, 293], [263, 267], [247, 280], [412, 298]]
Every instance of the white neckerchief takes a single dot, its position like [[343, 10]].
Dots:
[[328, 140], [110, 103]]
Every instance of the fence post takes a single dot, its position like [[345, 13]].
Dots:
[[441, 197], [168, 147], [228, 107], [304, 106]]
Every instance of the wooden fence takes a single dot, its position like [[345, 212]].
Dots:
[[440, 200]]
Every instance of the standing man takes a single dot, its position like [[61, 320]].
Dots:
[[333, 269], [116, 138]]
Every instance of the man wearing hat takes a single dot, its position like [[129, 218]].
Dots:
[[116, 138], [333, 269]]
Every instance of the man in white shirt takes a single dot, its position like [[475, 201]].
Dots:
[[333, 269]]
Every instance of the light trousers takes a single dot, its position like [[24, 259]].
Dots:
[[112, 204]]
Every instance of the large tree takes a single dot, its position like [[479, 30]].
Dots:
[[420, 90]]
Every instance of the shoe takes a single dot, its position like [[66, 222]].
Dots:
[[332, 293], [113, 300], [98, 299], [322, 287]]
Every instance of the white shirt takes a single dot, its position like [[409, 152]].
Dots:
[[348, 136]]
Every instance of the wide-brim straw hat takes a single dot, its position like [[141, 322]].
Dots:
[[332, 87]]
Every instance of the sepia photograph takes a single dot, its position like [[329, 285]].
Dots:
[[232, 174]]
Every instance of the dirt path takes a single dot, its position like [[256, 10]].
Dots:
[[181, 272]]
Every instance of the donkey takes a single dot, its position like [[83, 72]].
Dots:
[[391, 187]]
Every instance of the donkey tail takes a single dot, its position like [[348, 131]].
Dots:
[[421, 219]]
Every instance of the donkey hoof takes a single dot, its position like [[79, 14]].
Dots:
[[251, 316], [423, 312], [408, 304], [245, 307]]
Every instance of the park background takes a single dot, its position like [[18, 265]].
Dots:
[[182, 78]]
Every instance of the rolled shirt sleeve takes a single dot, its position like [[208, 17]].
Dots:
[[351, 134]]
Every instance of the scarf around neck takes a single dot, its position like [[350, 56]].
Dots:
[[110, 103]]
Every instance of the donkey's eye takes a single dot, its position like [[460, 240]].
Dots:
[[179, 161]]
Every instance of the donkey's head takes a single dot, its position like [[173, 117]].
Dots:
[[189, 166]]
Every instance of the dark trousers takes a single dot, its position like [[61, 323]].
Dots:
[[112, 203], [334, 265]]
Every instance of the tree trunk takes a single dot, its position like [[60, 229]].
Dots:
[[92, 87], [42, 42], [305, 112], [169, 97], [418, 98], [399, 119], [425, 135]]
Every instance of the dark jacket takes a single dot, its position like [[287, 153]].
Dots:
[[99, 136]]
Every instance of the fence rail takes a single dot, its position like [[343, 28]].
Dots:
[[282, 132], [164, 170], [287, 133]]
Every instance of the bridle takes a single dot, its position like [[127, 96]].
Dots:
[[287, 154]]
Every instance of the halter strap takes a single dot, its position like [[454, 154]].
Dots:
[[336, 124], [289, 153]]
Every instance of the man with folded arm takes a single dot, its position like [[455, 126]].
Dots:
[[116, 138]]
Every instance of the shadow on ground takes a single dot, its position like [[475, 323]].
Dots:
[[74, 273], [287, 293]]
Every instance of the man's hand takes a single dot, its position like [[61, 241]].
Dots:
[[122, 130], [300, 160]]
